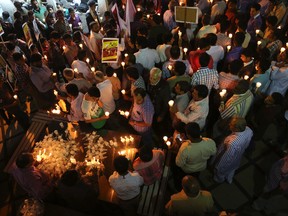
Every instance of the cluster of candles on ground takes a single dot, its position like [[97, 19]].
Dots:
[[129, 153], [42, 155]]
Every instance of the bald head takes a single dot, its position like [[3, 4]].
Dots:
[[155, 76], [190, 186]]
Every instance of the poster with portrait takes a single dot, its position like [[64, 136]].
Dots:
[[110, 50], [27, 34]]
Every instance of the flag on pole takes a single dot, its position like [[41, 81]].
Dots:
[[120, 22], [130, 13]]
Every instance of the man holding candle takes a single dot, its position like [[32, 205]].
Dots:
[[255, 22], [75, 99]]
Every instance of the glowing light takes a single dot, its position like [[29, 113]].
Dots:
[[171, 103]]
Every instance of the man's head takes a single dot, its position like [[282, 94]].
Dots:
[[238, 39], [204, 44], [35, 4], [263, 65], [145, 153], [24, 160], [204, 59], [181, 87], [59, 15], [241, 87], [72, 90], [92, 5], [132, 73], [141, 42], [190, 186], [71, 12], [192, 130], [19, 58], [139, 95], [55, 36], [206, 19], [31, 16], [179, 68], [237, 124], [99, 76], [36, 60], [155, 76], [246, 55], [276, 98], [121, 165], [199, 92], [68, 73], [175, 52], [255, 9], [94, 26], [93, 94], [68, 39], [235, 66], [212, 38]]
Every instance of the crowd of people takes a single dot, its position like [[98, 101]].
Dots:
[[212, 88]]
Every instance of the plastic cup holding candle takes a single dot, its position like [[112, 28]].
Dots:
[[171, 103], [76, 70], [123, 91], [259, 43], [107, 114], [224, 90], [282, 49], [258, 84], [170, 67], [114, 74], [179, 34], [230, 35], [246, 77], [101, 18], [279, 27], [45, 57], [123, 64], [168, 143], [287, 44], [15, 97], [257, 31], [64, 47], [165, 138], [88, 60], [228, 48], [126, 114], [70, 26], [138, 9], [126, 55], [72, 160], [222, 94], [38, 158], [93, 69], [158, 14], [55, 92], [81, 46], [148, 16]]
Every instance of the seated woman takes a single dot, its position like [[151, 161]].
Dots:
[[92, 108], [149, 164], [36, 183]]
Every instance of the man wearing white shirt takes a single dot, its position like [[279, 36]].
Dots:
[[96, 39], [279, 80], [206, 28], [145, 56], [217, 9], [215, 51], [82, 67]]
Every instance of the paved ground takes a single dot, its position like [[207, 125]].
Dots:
[[236, 197]]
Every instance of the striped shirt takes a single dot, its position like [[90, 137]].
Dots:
[[206, 76], [227, 80], [142, 113], [238, 104]]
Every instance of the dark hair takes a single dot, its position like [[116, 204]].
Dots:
[[77, 36], [142, 41], [121, 164], [264, 65], [179, 68], [33, 47], [132, 72], [48, 6], [24, 160], [167, 37], [36, 57], [72, 89], [94, 92], [55, 35], [66, 36], [206, 19], [239, 38], [145, 153], [204, 59], [278, 98], [175, 52], [235, 66], [17, 56], [203, 43], [143, 30], [12, 37], [5, 14], [70, 10], [10, 46], [224, 25], [70, 178], [30, 13], [212, 38], [202, 90], [138, 15], [81, 54], [90, 3], [17, 15], [241, 87], [132, 58], [256, 6], [184, 86], [190, 186], [272, 20], [247, 52], [140, 91], [109, 71], [192, 129]]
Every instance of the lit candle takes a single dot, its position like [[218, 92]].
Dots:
[[38, 158], [179, 34], [138, 9], [54, 74], [228, 48], [148, 16], [93, 69], [44, 20], [165, 138], [101, 18], [72, 160], [279, 27], [230, 35], [168, 143], [76, 70], [126, 55], [287, 44], [246, 77], [55, 92], [80, 25], [222, 94], [88, 60], [171, 103], [15, 97], [70, 26], [123, 64], [126, 114], [107, 114], [258, 84], [257, 31], [282, 49], [259, 43], [45, 57], [185, 50], [123, 91], [224, 90], [64, 47], [81, 46], [114, 74], [170, 67]]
